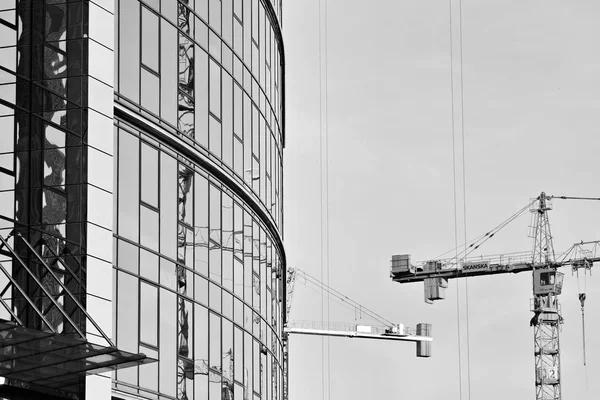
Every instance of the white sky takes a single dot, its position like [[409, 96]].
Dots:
[[531, 106]]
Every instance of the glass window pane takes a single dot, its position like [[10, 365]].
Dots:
[[227, 120], [202, 96], [201, 225], [168, 66], [168, 342], [149, 228], [168, 206], [215, 15], [149, 372], [128, 186], [201, 292], [215, 137], [215, 297], [150, 92], [127, 321], [149, 175], [129, 56], [150, 40], [149, 265], [201, 337], [215, 88], [149, 314], [127, 257], [168, 275], [215, 342]]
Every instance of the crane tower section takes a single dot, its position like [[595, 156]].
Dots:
[[547, 285]]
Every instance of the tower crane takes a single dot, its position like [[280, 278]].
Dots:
[[386, 331], [547, 283]]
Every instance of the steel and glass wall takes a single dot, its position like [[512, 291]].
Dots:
[[199, 267], [56, 113]]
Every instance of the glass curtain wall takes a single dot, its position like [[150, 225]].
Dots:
[[199, 268]]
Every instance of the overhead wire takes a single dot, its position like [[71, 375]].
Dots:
[[464, 185], [324, 185], [454, 195]]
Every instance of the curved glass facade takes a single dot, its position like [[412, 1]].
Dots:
[[199, 268]]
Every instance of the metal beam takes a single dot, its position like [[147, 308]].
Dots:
[[352, 334]]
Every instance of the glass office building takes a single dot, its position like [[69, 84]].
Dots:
[[141, 199]]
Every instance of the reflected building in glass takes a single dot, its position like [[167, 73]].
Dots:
[[141, 199]]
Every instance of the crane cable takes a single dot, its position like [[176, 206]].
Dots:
[[582, 297], [342, 297], [475, 243]]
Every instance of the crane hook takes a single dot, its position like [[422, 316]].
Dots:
[[582, 301]]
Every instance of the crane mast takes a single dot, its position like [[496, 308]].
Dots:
[[547, 285]]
